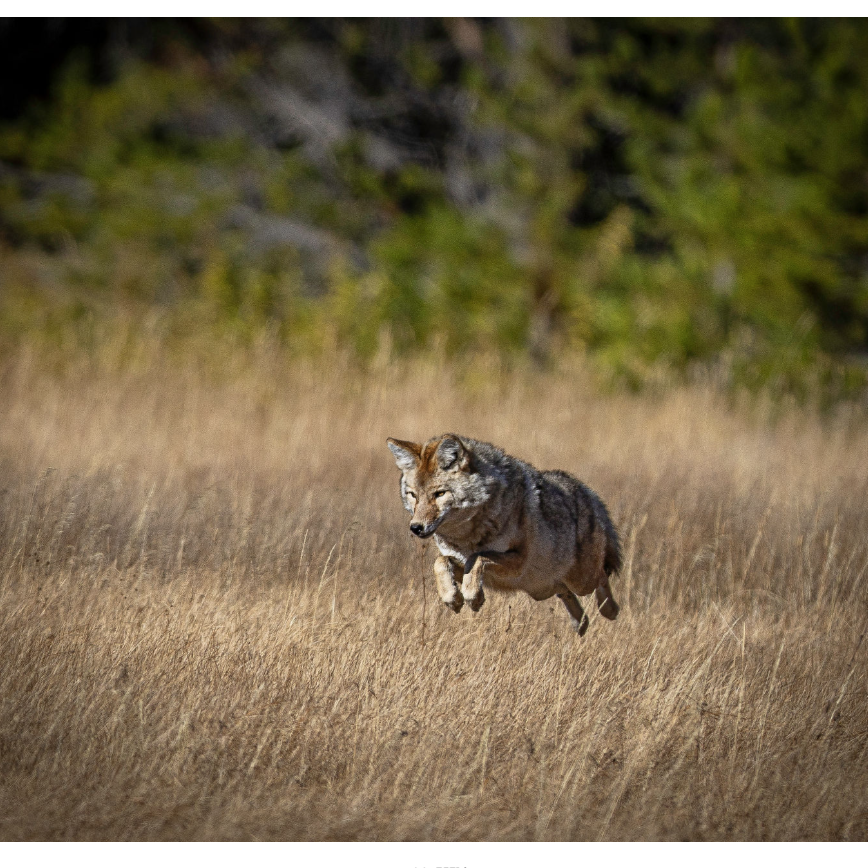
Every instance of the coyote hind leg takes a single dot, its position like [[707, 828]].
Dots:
[[577, 613], [606, 601]]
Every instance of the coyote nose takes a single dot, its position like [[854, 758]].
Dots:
[[417, 528]]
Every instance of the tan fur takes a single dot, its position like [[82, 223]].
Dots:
[[498, 521]]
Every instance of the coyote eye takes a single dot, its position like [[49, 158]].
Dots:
[[439, 494], [411, 494]]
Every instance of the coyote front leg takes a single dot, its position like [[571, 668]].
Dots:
[[444, 571], [471, 586], [474, 571]]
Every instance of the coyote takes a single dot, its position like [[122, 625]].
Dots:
[[497, 521]]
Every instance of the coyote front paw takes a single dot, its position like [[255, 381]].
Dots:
[[455, 603], [476, 602]]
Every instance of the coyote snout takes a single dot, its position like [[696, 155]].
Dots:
[[497, 521]]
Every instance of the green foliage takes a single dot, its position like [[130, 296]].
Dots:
[[653, 194]]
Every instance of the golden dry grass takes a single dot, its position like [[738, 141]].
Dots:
[[215, 624]]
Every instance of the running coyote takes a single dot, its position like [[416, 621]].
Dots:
[[500, 522]]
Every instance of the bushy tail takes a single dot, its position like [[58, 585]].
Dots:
[[612, 559]]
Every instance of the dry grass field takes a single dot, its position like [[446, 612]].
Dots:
[[214, 623]]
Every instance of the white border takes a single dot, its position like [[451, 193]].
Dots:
[[441, 855]]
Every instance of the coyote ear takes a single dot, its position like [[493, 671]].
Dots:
[[406, 453], [452, 453]]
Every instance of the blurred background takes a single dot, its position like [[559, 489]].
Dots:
[[660, 199]]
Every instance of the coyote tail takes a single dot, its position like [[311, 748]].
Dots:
[[612, 558]]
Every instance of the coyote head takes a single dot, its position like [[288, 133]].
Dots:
[[437, 480]]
